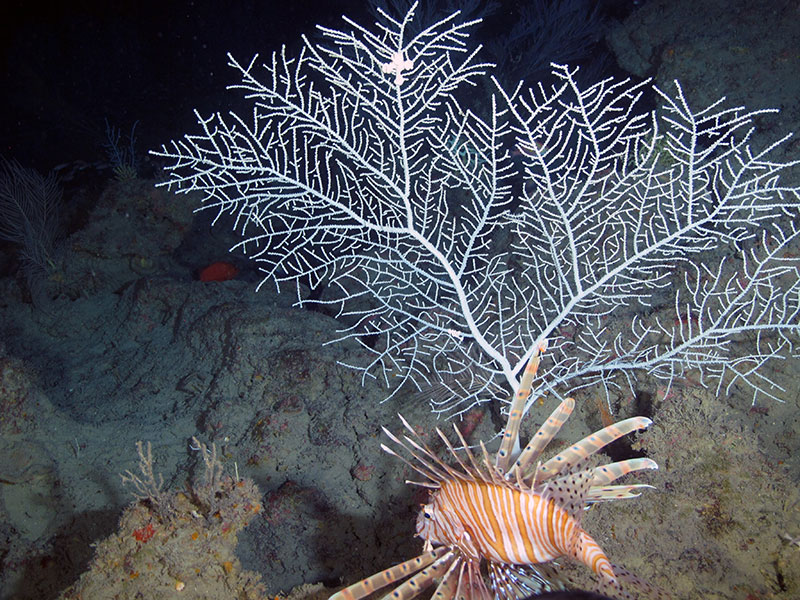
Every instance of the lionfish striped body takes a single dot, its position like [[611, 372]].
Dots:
[[514, 518]]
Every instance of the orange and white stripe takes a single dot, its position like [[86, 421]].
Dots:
[[505, 525]]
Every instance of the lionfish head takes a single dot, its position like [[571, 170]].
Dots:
[[426, 524]]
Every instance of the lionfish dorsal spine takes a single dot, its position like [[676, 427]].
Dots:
[[565, 461], [510, 438], [466, 473], [493, 474], [426, 456], [421, 466], [544, 436], [476, 468], [433, 457], [409, 464], [606, 474]]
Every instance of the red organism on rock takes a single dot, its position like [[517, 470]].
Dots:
[[218, 271], [144, 533]]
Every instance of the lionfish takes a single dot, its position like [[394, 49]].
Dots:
[[516, 521]]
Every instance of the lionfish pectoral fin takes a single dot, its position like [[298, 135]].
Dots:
[[523, 581], [569, 491], [616, 492], [471, 585], [423, 579], [446, 590], [589, 445], [367, 586], [605, 474]]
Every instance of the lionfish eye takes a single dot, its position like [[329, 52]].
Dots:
[[426, 514]]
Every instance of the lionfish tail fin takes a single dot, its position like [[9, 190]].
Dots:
[[627, 586]]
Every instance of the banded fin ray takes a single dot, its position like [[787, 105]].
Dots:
[[605, 474], [592, 443], [510, 439], [544, 436], [422, 580], [367, 586]]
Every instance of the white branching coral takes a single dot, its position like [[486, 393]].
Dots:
[[453, 236]]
